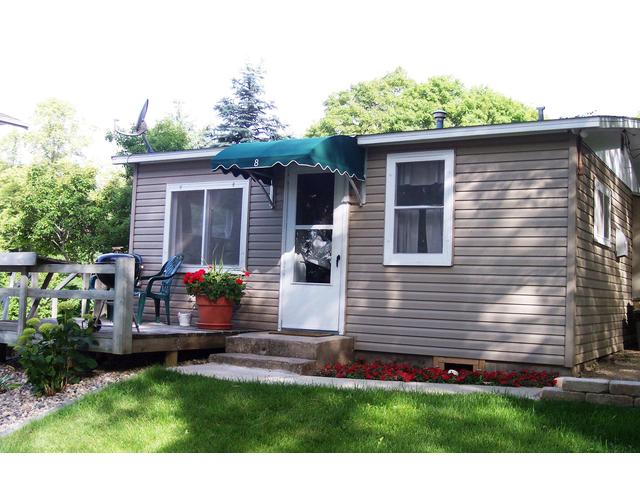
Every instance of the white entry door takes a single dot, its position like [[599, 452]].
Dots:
[[313, 259]]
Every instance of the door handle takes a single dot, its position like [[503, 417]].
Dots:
[[337, 261]]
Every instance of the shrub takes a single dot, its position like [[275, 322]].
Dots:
[[215, 282], [69, 308], [406, 373], [51, 354]]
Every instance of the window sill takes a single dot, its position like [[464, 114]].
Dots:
[[397, 260], [603, 243], [192, 268]]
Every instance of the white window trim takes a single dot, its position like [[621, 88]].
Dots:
[[598, 233], [217, 185], [436, 259]]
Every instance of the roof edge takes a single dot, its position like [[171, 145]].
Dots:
[[155, 157], [504, 129]]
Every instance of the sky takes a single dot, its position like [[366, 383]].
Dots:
[[107, 57]]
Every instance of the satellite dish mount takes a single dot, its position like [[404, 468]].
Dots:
[[141, 127]]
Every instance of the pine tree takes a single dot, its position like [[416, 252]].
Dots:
[[245, 116]]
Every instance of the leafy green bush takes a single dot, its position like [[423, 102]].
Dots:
[[51, 354], [69, 308]]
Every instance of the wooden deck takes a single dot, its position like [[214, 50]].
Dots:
[[153, 337], [117, 337]]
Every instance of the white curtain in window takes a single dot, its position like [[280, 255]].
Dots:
[[420, 173], [419, 230], [406, 231], [434, 229]]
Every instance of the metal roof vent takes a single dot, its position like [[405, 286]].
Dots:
[[439, 116], [540, 113]]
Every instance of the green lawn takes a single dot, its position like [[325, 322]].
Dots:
[[163, 411]]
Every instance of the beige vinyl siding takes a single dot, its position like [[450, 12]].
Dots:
[[504, 298], [603, 282], [259, 308]]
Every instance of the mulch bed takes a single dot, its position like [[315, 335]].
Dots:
[[19, 404]]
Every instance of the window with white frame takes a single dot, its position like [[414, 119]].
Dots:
[[601, 213], [207, 222], [419, 208]]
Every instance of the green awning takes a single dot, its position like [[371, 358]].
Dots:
[[338, 154]]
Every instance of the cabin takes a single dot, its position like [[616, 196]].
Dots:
[[498, 246]]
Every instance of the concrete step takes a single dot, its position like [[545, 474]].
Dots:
[[329, 349], [297, 365]]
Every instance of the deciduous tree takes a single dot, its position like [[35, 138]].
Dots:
[[52, 210], [168, 135], [55, 132], [395, 103]]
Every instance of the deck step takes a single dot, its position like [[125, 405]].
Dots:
[[323, 350], [297, 365]]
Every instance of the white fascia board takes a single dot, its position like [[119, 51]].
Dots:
[[14, 122], [522, 128], [156, 157]]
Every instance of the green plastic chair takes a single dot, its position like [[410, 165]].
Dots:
[[165, 276]]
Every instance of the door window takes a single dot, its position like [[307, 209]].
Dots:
[[314, 228]]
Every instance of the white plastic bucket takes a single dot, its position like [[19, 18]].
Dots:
[[184, 319]]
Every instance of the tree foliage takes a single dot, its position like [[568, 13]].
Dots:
[[53, 205], [246, 116], [396, 103], [55, 132], [114, 207], [168, 135], [11, 148], [58, 210], [53, 211]]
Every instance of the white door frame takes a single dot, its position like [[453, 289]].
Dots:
[[342, 211]]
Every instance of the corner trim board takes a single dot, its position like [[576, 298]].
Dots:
[[572, 211]]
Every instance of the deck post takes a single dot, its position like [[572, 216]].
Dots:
[[86, 278], [7, 299], [22, 300], [123, 305], [171, 359]]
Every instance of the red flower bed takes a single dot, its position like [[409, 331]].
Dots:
[[404, 372]]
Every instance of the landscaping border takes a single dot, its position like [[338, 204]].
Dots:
[[621, 393], [245, 374]]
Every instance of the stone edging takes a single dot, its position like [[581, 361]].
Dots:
[[621, 393]]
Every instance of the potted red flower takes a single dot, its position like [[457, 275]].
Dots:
[[216, 292]]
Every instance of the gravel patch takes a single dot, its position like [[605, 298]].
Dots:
[[623, 365], [20, 405]]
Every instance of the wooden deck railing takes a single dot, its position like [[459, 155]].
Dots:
[[120, 341]]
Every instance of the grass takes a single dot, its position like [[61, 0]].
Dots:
[[163, 411]]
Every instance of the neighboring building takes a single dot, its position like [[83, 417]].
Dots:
[[501, 243], [14, 122]]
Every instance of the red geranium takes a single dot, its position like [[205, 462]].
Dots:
[[407, 373], [216, 282]]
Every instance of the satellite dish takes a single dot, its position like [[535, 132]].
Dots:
[[141, 127]]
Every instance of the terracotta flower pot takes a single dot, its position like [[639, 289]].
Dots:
[[214, 315]]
